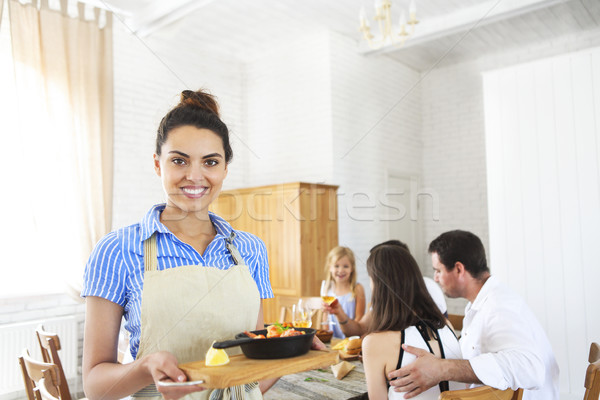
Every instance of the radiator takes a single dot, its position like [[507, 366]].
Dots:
[[16, 337]]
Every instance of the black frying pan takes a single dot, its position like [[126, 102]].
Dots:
[[270, 348]]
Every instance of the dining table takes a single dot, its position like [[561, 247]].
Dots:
[[320, 384]]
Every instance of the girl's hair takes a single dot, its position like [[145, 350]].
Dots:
[[399, 298], [198, 109], [333, 256]]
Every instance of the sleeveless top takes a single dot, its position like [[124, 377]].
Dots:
[[416, 336]]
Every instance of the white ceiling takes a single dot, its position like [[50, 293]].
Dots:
[[449, 30]]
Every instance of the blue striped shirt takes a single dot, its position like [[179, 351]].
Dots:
[[115, 269]]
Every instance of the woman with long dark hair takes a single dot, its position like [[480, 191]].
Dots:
[[403, 312]]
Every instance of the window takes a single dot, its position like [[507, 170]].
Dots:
[[46, 229]]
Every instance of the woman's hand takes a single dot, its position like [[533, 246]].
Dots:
[[162, 366], [317, 344]]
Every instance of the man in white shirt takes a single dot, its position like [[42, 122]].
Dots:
[[502, 342]]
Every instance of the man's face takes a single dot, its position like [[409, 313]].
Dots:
[[448, 280]]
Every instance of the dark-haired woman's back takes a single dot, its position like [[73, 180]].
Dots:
[[403, 313], [382, 353]]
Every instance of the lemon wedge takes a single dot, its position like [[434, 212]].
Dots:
[[216, 357]]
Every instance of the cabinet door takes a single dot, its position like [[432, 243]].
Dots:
[[298, 223], [319, 234]]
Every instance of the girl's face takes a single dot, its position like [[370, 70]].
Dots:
[[192, 168], [341, 270]]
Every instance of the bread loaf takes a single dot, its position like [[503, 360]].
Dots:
[[353, 345]]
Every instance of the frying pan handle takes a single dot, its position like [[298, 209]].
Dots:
[[232, 343]]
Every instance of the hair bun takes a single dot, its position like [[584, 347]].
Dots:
[[201, 100]]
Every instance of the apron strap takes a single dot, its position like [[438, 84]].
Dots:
[[235, 254], [150, 254]]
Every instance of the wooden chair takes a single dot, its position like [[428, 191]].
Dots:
[[42, 392], [482, 393], [49, 346], [29, 385], [456, 323], [42, 380], [592, 375], [37, 394], [315, 304]]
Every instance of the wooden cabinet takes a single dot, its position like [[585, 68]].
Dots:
[[298, 223]]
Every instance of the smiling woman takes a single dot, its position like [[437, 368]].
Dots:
[[178, 276], [56, 167]]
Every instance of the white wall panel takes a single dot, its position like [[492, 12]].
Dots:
[[550, 228], [569, 215], [584, 119], [593, 273], [530, 239], [542, 137]]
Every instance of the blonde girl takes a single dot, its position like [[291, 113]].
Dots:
[[340, 270]]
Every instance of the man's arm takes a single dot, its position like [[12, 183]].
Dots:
[[427, 371]]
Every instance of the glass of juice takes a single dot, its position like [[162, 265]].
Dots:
[[301, 315]]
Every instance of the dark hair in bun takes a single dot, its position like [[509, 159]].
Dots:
[[197, 109]]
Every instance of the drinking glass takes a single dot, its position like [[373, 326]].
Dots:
[[301, 315], [327, 298], [324, 293]]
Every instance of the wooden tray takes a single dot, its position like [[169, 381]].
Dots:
[[242, 370]]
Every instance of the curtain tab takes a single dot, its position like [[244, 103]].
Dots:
[[64, 7], [96, 13], [81, 11], [109, 19]]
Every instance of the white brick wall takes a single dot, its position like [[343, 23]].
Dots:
[[288, 113], [376, 128], [149, 76]]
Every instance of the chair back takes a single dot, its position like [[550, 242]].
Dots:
[[482, 393], [44, 392], [315, 304], [29, 385], [41, 376], [456, 323], [592, 375], [49, 346]]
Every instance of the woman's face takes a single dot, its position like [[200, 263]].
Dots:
[[192, 168], [341, 269]]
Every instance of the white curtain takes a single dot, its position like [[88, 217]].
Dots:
[[64, 87]]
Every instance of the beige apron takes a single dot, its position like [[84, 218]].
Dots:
[[185, 309]]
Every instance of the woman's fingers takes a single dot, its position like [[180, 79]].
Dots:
[[177, 392], [317, 344], [163, 368]]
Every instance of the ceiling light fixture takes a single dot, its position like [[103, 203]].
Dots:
[[388, 34]]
